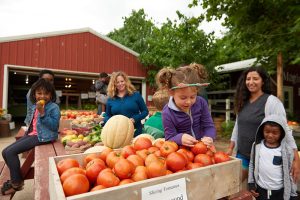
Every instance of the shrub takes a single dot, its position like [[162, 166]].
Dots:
[[227, 128]]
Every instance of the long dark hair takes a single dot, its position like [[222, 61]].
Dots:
[[243, 94], [42, 84]]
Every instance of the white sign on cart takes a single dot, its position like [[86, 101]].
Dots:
[[172, 190]]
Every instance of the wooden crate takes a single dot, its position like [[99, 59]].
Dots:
[[65, 123], [209, 183]]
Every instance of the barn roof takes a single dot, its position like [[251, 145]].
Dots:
[[65, 32], [237, 66]]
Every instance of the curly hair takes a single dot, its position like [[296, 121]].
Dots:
[[243, 94], [112, 86], [160, 99], [42, 84], [168, 77]]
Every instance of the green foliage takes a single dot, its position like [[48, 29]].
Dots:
[[135, 32], [173, 44], [89, 106], [225, 50], [85, 106], [257, 28], [227, 128], [176, 43], [266, 27]]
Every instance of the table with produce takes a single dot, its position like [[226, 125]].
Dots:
[[123, 167], [82, 130]]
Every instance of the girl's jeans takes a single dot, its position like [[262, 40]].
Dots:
[[10, 155]]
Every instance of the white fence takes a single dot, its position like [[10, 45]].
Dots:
[[222, 106]]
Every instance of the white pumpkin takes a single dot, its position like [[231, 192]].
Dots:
[[117, 132]]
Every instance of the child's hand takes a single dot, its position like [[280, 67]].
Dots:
[[188, 140], [295, 171], [40, 106], [208, 141], [254, 193], [229, 151]]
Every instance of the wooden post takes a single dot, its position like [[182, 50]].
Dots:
[[279, 76], [227, 110], [209, 105]]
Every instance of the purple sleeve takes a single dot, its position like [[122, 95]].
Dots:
[[169, 128], [208, 127]]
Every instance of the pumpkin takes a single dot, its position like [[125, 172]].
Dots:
[[117, 132]]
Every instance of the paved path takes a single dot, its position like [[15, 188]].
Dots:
[[27, 193]]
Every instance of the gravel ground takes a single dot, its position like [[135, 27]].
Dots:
[[222, 144]]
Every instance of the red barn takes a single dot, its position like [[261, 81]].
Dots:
[[76, 57]]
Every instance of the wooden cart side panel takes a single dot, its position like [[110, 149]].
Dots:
[[227, 179], [55, 190], [211, 182]]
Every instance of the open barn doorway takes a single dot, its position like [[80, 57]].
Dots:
[[74, 89]]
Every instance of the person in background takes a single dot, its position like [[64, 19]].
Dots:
[[186, 117], [47, 75], [254, 102], [271, 162], [101, 91], [124, 100], [153, 126], [44, 121]]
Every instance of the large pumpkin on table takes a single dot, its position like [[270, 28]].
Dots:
[[117, 132]]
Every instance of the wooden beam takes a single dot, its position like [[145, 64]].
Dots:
[[279, 76]]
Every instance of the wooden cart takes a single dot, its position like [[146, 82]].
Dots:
[[209, 183]]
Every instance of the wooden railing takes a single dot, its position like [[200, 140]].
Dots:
[[221, 106]]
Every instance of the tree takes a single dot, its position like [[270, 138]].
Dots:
[[173, 44], [225, 50], [135, 32], [176, 43], [271, 29], [267, 26]]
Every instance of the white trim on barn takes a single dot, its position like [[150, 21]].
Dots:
[[65, 32], [237, 66], [5, 87]]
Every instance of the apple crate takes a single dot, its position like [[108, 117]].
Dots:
[[210, 182]]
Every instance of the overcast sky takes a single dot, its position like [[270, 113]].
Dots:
[[21, 17]]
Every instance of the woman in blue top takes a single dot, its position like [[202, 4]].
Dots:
[[43, 128], [124, 100]]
